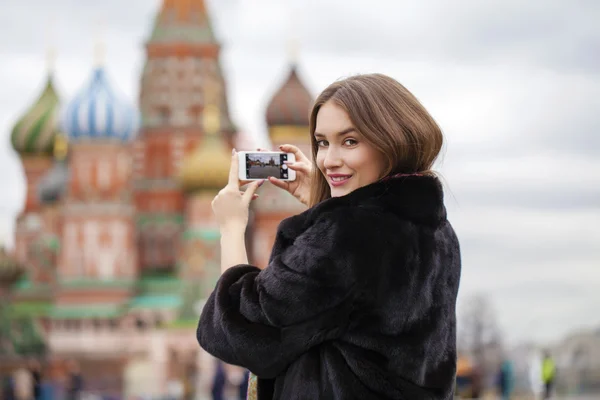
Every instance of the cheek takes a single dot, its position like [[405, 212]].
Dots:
[[359, 161], [320, 160], [368, 164]]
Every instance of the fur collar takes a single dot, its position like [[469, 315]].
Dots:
[[415, 198]]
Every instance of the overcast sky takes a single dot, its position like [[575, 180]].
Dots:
[[515, 86]]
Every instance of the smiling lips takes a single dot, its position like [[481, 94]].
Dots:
[[338, 180]]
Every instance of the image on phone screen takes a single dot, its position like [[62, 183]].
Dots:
[[262, 166]]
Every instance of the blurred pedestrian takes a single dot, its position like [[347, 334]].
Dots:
[[506, 379], [74, 381], [8, 387], [35, 369], [548, 374], [219, 381]]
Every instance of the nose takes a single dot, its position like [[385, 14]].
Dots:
[[333, 158]]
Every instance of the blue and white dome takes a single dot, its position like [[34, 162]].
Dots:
[[97, 113]]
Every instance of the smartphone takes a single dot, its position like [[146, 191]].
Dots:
[[256, 165]]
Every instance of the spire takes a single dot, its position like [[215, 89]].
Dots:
[[99, 47], [293, 50], [51, 47], [183, 21], [182, 10], [293, 42]]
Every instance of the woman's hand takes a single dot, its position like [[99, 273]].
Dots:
[[299, 188], [230, 205]]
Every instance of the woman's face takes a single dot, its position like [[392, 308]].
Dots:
[[344, 157]]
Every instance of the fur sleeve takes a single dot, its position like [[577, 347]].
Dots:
[[263, 320]]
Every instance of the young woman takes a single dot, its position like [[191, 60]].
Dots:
[[358, 299]]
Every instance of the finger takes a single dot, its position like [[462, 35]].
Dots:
[[249, 193], [298, 166], [254, 196], [279, 183], [233, 170], [288, 148]]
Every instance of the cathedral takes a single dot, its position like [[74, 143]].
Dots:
[[116, 247]]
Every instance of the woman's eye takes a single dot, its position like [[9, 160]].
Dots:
[[350, 142], [321, 143]]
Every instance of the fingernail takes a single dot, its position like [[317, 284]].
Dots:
[[233, 151], [261, 182]]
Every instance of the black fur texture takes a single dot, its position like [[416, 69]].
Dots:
[[358, 300]]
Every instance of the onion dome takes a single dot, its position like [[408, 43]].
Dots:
[[35, 130], [53, 185], [291, 104], [97, 113], [10, 269], [207, 167]]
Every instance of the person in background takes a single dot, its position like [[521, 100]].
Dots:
[[237, 377], [506, 379], [229, 375], [35, 369], [74, 381], [219, 381], [534, 371], [8, 387], [23, 383], [548, 374], [476, 382]]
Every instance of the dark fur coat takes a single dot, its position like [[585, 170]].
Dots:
[[358, 300]]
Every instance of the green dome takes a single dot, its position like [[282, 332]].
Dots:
[[35, 131]]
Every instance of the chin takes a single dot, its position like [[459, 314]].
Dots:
[[339, 192]]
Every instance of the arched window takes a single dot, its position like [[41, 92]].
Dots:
[[164, 115]]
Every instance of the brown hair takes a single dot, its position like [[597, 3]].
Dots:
[[389, 117]]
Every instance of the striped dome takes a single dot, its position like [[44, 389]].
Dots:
[[35, 130], [97, 113]]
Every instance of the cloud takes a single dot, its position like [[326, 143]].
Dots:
[[514, 85], [555, 35]]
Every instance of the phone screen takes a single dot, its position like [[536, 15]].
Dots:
[[262, 165]]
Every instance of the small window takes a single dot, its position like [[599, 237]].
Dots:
[[164, 115], [140, 324], [103, 172]]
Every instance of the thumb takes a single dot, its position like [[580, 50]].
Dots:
[[249, 193]]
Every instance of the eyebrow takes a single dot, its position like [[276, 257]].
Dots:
[[340, 133]]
